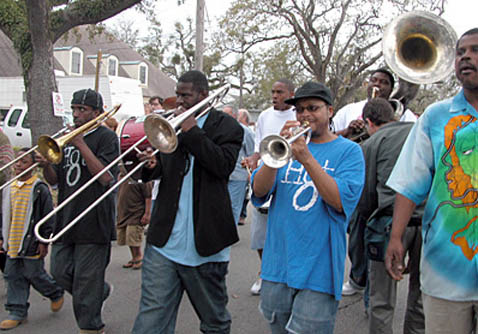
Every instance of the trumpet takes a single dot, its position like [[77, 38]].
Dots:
[[52, 149], [213, 99], [163, 133], [275, 150]]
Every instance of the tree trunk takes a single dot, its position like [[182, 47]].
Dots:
[[40, 70]]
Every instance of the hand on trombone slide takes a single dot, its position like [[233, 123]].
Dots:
[[189, 122], [147, 155]]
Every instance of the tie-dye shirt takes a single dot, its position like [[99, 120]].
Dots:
[[440, 160]]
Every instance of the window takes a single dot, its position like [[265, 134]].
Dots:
[[14, 117], [26, 122], [76, 62], [112, 66], [143, 74]]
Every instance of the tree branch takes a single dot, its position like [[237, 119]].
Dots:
[[86, 12]]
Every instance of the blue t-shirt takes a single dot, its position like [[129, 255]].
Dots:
[[181, 247], [440, 160], [306, 238]]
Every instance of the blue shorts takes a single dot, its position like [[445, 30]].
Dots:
[[258, 229], [290, 310]]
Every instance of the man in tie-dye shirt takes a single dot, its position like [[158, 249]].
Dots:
[[440, 160]]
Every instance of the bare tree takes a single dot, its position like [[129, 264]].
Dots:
[[33, 26], [339, 41]]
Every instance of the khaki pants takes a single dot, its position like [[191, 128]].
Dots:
[[449, 317], [383, 291]]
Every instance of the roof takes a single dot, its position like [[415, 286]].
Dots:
[[158, 82]]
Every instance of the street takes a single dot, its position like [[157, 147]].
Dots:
[[121, 307]]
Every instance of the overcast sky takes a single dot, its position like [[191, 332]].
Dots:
[[461, 14]]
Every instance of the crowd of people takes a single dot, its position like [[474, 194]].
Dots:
[[409, 189]]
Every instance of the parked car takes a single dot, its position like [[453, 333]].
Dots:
[[17, 127]]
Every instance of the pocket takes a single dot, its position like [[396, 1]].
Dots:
[[376, 237], [269, 315]]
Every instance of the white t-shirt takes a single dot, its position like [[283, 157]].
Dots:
[[270, 122], [353, 111]]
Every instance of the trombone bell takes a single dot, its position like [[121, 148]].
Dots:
[[50, 149], [419, 47], [161, 134]]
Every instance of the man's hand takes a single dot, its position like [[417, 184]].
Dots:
[[394, 259], [251, 161], [145, 219], [355, 127], [147, 155], [42, 250]]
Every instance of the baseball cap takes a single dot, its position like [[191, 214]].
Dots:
[[312, 89]]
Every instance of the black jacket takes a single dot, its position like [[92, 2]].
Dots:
[[42, 205], [215, 148]]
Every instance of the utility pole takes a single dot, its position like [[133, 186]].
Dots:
[[198, 55]]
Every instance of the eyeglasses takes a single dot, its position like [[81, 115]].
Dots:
[[309, 108]]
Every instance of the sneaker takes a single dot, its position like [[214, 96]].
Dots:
[[350, 289], [10, 324], [56, 305], [89, 331], [256, 287]]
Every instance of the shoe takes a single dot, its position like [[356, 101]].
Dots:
[[128, 265], [137, 265], [10, 324], [350, 289], [56, 305], [89, 331], [256, 287], [241, 221]]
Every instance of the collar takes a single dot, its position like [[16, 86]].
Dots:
[[19, 184], [460, 104]]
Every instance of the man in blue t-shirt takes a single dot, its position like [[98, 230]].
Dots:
[[313, 198]]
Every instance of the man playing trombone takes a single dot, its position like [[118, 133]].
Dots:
[[80, 258], [313, 197], [192, 225]]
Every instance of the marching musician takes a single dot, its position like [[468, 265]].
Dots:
[[313, 197], [79, 259], [439, 161], [347, 122], [192, 225]]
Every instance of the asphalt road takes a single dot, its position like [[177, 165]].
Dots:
[[122, 306]]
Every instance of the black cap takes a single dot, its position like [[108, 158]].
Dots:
[[312, 89], [88, 97]]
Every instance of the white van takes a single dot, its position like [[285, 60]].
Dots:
[[17, 127]]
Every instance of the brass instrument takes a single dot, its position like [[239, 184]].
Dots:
[[52, 149], [275, 150], [419, 47], [213, 99], [163, 133], [21, 156]]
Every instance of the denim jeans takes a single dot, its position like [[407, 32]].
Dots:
[[162, 287], [80, 270], [237, 193], [20, 274], [290, 310]]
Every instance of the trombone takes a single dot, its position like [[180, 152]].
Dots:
[[213, 100], [163, 133], [275, 150], [52, 149], [20, 157]]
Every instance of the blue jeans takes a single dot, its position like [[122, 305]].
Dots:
[[291, 310], [237, 193], [20, 274], [163, 285], [80, 270]]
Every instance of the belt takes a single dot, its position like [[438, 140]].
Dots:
[[264, 211]]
